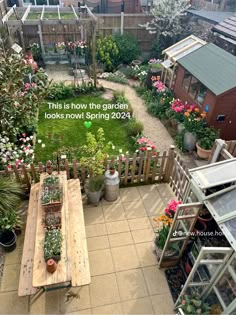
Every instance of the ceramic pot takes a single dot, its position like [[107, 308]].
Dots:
[[51, 265], [8, 240], [202, 153], [190, 140], [94, 197], [180, 128]]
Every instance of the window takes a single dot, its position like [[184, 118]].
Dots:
[[195, 88], [186, 80], [201, 93], [42, 2]]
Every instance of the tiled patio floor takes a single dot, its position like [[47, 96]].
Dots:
[[124, 273]]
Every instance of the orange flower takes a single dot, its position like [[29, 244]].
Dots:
[[186, 114], [196, 109], [203, 114]]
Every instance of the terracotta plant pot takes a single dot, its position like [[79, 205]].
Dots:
[[202, 153], [51, 266]]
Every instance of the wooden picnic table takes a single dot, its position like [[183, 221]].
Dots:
[[73, 268]]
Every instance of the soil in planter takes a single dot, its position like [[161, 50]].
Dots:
[[175, 278]]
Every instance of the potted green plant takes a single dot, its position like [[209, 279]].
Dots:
[[112, 169], [9, 219], [207, 137], [52, 199], [52, 244], [51, 182], [93, 155], [192, 304]]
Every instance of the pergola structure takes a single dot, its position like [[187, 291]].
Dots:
[[174, 53], [58, 20]]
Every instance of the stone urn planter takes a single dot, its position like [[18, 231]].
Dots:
[[190, 140], [202, 153]]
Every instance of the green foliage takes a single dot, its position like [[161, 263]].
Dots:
[[119, 98], [59, 91], [107, 52], [161, 236], [95, 183], [52, 244], [179, 141], [9, 220], [129, 72], [18, 98], [134, 127], [156, 49], [9, 194], [207, 137], [128, 48], [94, 152], [192, 304], [115, 78]]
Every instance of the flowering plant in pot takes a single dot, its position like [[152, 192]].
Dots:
[[60, 47], [52, 244], [192, 304]]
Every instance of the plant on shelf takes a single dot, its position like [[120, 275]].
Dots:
[[52, 220], [52, 244], [93, 155], [192, 304], [206, 140], [78, 48], [60, 47]]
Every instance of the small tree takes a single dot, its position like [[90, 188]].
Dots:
[[128, 48], [167, 20], [19, 101]]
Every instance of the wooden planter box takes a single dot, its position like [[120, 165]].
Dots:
[[52, 206]]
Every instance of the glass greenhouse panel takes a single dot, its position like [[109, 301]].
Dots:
[[224, 203]]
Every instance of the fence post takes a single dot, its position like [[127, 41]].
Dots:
[[169, 163], [26, 177]]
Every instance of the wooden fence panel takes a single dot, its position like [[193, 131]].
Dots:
[[136, 169]]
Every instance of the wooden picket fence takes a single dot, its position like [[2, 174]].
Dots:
[[142, 169]]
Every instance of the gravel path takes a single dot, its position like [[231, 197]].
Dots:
[[153, 128]]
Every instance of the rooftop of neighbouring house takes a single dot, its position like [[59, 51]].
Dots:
[[211, 16], [213, 67], [227, 27]]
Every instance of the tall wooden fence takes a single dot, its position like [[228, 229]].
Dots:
[[142, 169]]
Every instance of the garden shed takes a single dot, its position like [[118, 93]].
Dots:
[[206, 77]]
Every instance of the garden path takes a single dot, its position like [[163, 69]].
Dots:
[[153, 128]]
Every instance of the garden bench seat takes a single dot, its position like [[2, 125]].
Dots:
[[26, 272]]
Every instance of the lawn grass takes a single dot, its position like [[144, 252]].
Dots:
[[67, 16], [73, 131], [34, 16]]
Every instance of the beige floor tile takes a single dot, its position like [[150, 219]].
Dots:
[[117, 227], [13, 257], [141, 236], [111, 309], [165, 191], [96, 230], [104, 290], [154, 204], [74, 299], [97, 242], [114, 212], [160, 307], [93, 215], [100, 262], [139, 224], [106, 203], [138, 306], [120, 239], [134, 209], [155, 280], [10, 303], [46, 303], [146, 189], [82, 312], [10, 278], [146, 254], [125, 257], [129, 194], [131, 284]]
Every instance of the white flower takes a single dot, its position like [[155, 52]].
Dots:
[[149, 149], [27, 139], [31, 137], [39, 141], [120, 150], [113, 147], [43, 145], [137, 151], [127, 152]]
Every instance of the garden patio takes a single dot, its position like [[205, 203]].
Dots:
[[125, 278]]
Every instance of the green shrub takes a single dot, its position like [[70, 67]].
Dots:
[[134, 127], [140, 90], [60, 91], [129, 72], [128, 48], [119, 97], [114, 78], [107, 52]]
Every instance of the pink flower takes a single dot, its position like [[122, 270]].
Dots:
[[24, 135], [27, 86], [183, 302]]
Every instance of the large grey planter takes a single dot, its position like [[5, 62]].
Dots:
[[190, 140]]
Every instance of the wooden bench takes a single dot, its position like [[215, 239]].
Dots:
[[26, 273]]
